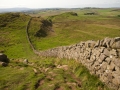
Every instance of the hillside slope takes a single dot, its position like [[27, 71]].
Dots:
[[70, 29], [39, 73], [13, 41]]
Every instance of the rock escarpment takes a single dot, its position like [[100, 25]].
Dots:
[[101, 57]]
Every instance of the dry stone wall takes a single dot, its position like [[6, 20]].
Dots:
[[101, 57]]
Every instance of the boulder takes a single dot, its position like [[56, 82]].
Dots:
[[3, 58], [25, 61], [3, 64], [116, 44]]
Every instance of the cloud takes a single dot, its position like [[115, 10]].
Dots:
[[56, 3]]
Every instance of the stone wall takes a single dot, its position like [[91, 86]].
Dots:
[[101, 57]]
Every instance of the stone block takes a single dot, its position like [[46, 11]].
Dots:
[[106, 52], [108, 60], [116, 80], [97, 44], [104, 65], [106, 42], [117, 61], [117, 68], [113, 52], [111, 66], [102, 58], [116, 45], [101, 49]]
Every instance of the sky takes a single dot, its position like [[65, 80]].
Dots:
[[58, 3]]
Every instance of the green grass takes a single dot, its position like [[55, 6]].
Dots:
[[50, 73], [69, 29], [19, 76], [13, 36]]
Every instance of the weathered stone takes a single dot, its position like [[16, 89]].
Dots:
[[116, 80], [96, 63], [106, 42], [3, 58], [118, 51], [110, 77], [108, 60], [98, 73], [105, 79], [111, 66], [102, 70], [93, 58], [112, 41], [90, 43], [25, 61], [117, 61], [106, 52], [102, 49], [97, 43], [116, 44], [115, 73], [113, 52], [3, 64], [117, 68], [97, 54], [101, 42], [97, 68], [117, 39], [104, 65], [102, 58]]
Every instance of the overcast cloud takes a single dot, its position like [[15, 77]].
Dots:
[[58, 3]]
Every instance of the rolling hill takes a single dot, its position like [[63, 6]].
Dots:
[[42, 73]]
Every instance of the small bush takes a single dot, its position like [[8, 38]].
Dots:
[[118, 15]]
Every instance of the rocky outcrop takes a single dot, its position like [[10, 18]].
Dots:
[[45, 28], [101, 57], [3, 60]]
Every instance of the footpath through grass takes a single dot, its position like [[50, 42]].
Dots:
[[48, 74]]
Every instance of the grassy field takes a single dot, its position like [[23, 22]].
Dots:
[[52, 73], [70, 29]]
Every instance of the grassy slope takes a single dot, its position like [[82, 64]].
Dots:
[[19, 76], [52, 74], [13, 36], [73, 29]]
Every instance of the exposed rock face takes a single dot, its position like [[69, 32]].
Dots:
[[102, 58], [45, 28], [3, 60]]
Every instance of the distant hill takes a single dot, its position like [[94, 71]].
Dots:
[[3, 10]]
